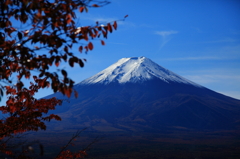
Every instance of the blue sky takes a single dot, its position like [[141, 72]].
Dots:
[[199, 40]]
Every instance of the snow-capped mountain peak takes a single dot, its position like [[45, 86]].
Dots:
[[135, 69]]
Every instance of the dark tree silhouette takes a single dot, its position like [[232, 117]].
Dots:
[[49, 33]]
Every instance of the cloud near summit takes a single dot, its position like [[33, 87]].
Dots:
[[165, 37], [166, 33]]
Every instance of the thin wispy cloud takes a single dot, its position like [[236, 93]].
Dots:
[[212, 78], [198, 30], [195, 58], [226, 40], [104, 20], [234, 94], [213, 81], [166, 37], [164, 34]]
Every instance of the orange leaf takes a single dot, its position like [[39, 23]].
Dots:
[[68, 92], [46, 11], [104, 34], [96, 32], [39, 14], [69, 18], [102, 42], [81, 9], [35, 78], [57, 63], [7, 2], [12, 109], [7, 73], [80, 49], [109, 27], [56, 24], [90, 46], [8, 152], [75, 94], [115, 25], [95, 5], [86, 48], [85, 37], [57, 117]]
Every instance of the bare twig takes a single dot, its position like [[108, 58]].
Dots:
[[71, 140]]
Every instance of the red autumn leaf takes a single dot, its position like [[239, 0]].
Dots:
[[68, 92], [52, 30], [8, 152], [85, 37], [125, 16], [91, 33], [46, 11], [7, 73], [95, 5], [96, 32], [36, 47], [104, 34], [39, 14], [90, 46], [69, 18], [86, 48], [55, 24], [75, 94], [81, 9], [109, 27], [27, 75], [115, 25], [57, 118], [102, 42], [57, 63], [7, 2], [80, 49]]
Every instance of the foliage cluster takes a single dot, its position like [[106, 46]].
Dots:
[[50, 32]]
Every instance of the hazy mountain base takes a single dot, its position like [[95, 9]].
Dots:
[[167, 144], [152, 104]]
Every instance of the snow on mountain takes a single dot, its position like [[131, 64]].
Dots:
[[135, 69]]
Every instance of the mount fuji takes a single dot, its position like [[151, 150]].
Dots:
[[135, 94], [135, 70]]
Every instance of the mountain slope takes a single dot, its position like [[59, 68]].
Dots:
[[136, 94]]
